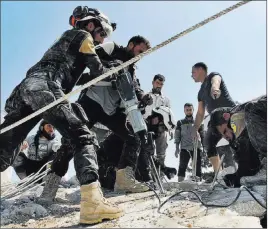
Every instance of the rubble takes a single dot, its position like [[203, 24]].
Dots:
[[141, 210]]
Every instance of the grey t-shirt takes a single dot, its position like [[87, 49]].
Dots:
[[225, 100], [46, 148]]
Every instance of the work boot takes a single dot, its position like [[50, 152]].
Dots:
[[126, 182], [94, 207], [180, 178], [50, 189]]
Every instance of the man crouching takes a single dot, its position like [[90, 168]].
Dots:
[[244, 126]]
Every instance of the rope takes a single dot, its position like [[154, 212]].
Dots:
[[124, 65]]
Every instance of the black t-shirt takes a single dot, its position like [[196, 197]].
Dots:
[[224, 100]]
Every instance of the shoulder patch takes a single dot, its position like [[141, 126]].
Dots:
[[87, 46]]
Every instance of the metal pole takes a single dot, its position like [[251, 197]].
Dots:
[[194, 163], [155, 174]]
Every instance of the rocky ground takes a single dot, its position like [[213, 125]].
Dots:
[[140, 209]]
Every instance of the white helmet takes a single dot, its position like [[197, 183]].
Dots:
[[168, 117], [104, 21]]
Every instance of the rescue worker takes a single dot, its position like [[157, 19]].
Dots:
[[49, 79], [159, 99], [36, 151], [101, 104], [213, 94], [245, 127], [185, 144]]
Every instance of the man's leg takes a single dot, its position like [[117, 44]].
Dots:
[[131, 149], [20, 165], [211, 140], [125, 176], [161, 147], [10, 141], [198, 162], [143, 167], [69, 120], [184, 160]]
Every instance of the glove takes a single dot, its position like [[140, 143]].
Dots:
[[177, 152], [147, 99], [170, 172], [113, 64], [215, 93]]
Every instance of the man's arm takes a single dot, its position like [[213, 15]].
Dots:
[[91, 60], [177, 137], [199, 115], [215, 86]]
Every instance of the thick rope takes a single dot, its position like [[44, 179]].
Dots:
[[124, 65]]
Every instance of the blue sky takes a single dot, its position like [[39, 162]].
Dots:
[[234, 45]]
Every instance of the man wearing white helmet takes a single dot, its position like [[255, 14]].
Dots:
[[101, 104], [51, 78], [159, 100]]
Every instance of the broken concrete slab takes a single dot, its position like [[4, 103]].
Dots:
[[227, 221]]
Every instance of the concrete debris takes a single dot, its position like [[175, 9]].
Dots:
[[184, 211], [245, 205], [223, 221]]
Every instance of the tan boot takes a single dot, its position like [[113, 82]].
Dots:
[[94, 207], [126, 182]]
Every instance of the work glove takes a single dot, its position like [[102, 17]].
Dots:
[[147, 99], [113, 64], [178, 150], [169, 172], [215, 93]]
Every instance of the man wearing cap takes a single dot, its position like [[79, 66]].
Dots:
[[213, 94], [245, 127], [159, 100], [101, 103]]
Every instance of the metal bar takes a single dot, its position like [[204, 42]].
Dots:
[[217, 172], [155, 173]]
